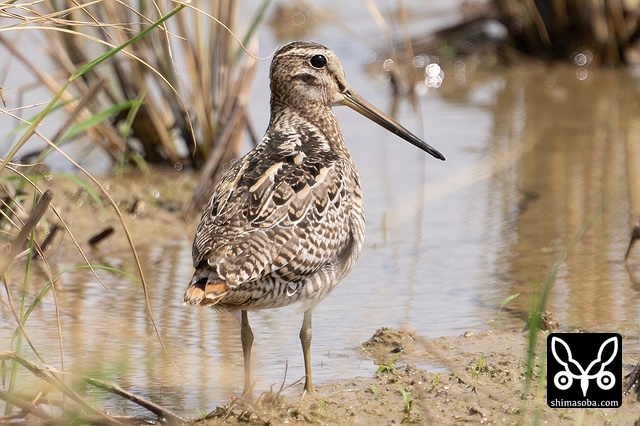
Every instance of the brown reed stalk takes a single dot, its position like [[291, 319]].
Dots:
[[191, 77]]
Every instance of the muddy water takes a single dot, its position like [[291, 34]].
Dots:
[[543, 167]]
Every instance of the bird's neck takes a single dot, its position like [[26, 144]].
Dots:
[[318, 117]]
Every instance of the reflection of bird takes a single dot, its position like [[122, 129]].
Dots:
[[286, 222]]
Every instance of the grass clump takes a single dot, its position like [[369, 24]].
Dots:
[[165, 88], [161, 82]]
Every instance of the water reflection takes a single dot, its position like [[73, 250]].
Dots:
[[579, 160]]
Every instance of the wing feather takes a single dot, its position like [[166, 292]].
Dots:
[[277, 212]]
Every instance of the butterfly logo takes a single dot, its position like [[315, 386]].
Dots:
[[564, 379]]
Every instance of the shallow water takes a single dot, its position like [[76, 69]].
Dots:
[[535, 156]]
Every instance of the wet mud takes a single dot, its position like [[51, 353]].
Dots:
[[460, 392]]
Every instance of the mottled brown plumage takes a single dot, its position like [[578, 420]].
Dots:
[[286, 223]]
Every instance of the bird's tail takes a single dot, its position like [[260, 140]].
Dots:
[[202, 291]]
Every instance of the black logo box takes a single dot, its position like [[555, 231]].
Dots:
[[584, 370]]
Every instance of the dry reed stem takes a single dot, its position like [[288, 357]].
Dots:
[[55, 211], [12, 250], [27, 407], [167, 415], [67, 57], [604, 28], [217, 76], [27, 227], [49, 375], [129, 240], [142, 70]]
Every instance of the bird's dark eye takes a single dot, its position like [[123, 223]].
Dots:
[[318, 61]]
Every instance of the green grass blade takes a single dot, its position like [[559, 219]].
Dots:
[[25, 124], [88, 67], [17, 337], [83, 70], [97, 119], [253, 26], [505, 302]]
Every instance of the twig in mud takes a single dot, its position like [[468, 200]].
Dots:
[[632, 380], [39, 250], [13, 249], [161, 412], [93, 241], [635, 236]]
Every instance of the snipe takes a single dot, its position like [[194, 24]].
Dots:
[[286, 223]]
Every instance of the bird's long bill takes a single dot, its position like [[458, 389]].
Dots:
[[358, 104]]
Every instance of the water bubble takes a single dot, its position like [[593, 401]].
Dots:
[[582, 73], [460, 72], [388, 65], [420, 61], [466, 47], [299, 19], [156, 194], [582, 59], [470, 68], [589, 55], [433, 70], [178, 166], [551, 78], [433, 60], [433, 82], [434, 75]]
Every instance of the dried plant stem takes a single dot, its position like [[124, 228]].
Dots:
[[48, 374], [13, 249], [160, 411], [27, 407]]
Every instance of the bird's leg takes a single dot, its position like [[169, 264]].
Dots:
[[246, 336], [305, 339]]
